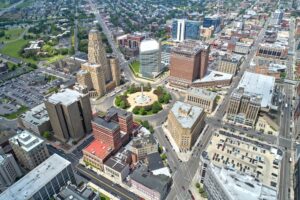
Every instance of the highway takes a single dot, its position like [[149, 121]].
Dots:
[[10, 7]]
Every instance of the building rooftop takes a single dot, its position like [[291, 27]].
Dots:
[[139, 142], [36, 179], [116, 164], [149, 45], [190, 47], [120, 112], [212, 76], [26, 140], [245, 155], [154, 161], [154, 182], [186, 114], [241, 186], [202, 93], [258, 85], [71, 192], [65, 97], [111, 125], [37, 115], [99, 149]]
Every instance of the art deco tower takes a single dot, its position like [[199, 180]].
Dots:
[[97, 54]]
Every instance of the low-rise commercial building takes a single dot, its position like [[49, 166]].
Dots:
[[42, 182], [96, 154], [275, 51], [242, 48], [36, 119], [141, 146], [29, 149], [154, 187], [229, 64], [185, 123], [117, 166], [71, 191], [202, 98]]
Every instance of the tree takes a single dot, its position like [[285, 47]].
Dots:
[[167, 97], [123, 105], [143, 111], [118, 100], [47, 135], [163, 156], [135, 110], [161, 99], [2, 34], [197, 185], [156, 107]]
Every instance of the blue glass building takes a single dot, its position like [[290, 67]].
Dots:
[[185, 29]]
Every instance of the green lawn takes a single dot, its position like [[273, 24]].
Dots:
[[54, 58], [135, 66], [12, 49], [16, 114], [12, 34]]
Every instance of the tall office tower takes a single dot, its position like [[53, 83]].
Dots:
[[183, 29], [276, 17], [115, 70], [97, 54], [42, 182], [213, 21], [150, 58], [254, 92], [70, 114], [29, 149], [93, 73], [9, 170], [189, 61]]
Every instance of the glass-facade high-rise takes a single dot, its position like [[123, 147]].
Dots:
[[214, 21], [185, 29]]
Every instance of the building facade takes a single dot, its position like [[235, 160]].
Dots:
[[275, 51], [9, 170], [70, 114], [185, 123], [150, 58], [212, 21], [42, 182], [188, 62], [229, 64], [36, 119], [143, 145], [29, 149], [183, 29], [202, 98]]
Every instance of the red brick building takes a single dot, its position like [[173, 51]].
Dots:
[[188, 62]]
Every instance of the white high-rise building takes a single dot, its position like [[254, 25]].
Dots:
[[276, 17], [150, 58], [9, 170], [29, 149]]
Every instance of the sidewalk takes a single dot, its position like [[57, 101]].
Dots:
[[194, 189]]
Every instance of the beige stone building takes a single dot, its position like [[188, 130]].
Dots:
[[97, 53], [202, 98], [144, 145], [254, 93], [229, 64], [29, 149], [100, 73], [70, 114], [185, 123]]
